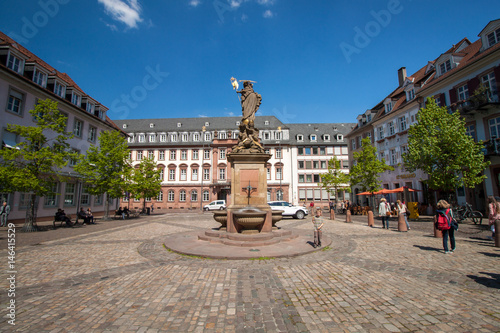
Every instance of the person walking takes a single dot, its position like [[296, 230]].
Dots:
[[4, 214], [318, 224], [494, 214], [442, 219], [402, 210], [311, 207], [384, 210]]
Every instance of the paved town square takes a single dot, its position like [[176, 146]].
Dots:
[[117, 276]]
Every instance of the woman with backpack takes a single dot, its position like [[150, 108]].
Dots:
[[384, 210], [494, 214], [442, 220]]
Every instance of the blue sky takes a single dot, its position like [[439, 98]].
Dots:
[[314, 61]]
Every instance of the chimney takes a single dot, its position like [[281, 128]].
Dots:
[[401, 75]]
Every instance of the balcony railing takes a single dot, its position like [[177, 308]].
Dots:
[[492, 147], [477, 102]]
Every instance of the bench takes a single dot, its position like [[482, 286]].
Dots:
[[60, 222], [132, 214]]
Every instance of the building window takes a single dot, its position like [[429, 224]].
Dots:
[[173, 153], [315, 164], [279, 195], [139, 155], [308, 164], [92, 134], [171, 174], [184, 154], [183, 174], [266, 150], [392, 156], [194, 196], [392, 130], [471, 131], [301, 178], [171, 196], [494, 125], [307, 151], [160, 196], [39, 78], [98, 200], [345, 164], [308, 178], [207, 136], [76, 99], [222, 173], [161, 155], [59, 89], [300, 137], [182, 196], [222, 135], [269, 195], [141, 138], [50, 199], [268, 173], [195, 154], [206, 195], [279, 174], [266, 122], [326, 137], [152, 138], [185, 137], [278, 153], [278, 135], [381, 133], [77, 128], [69, 194], [490, 83], [322, 151], [388, 107], [173, 137], [493, 37], [85, 196], [90, 108], [410, 94], [206, 174], [463, 93], [194, 174], [444, 67], [353, 144], [196, 137], [163, 137], [323, 165], [151, 154], [15, 64], [162, 174], [206, 154], [266, 136], [313, 137], [15, 103], [222, 154]]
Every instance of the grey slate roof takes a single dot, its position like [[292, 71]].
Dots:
[[319, 129]]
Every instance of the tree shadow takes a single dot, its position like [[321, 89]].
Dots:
[[428, 248], [494, 255], [491, 282]]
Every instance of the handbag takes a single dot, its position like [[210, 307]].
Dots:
[[454, 224], [388, 213]]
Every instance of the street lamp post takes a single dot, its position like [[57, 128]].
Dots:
[[203, 129], [281, 165]]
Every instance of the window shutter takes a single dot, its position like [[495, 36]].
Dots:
[[497, 78], [472, 85], [453, 96], [442, 99]]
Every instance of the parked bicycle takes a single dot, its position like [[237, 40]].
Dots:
[[465, 213]]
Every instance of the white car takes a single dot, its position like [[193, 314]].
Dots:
[[288, 209], [216, 205]]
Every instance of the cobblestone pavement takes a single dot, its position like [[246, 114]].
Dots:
[[122, 279]]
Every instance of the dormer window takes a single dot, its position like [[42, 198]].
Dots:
[[15, 63], [90, 107], [130, 138], [340, 137], [185, 137], [207, 123], [300, 137], [76, 99], [196, 137], [222, 135], [151, 125], [173, 137], [207, 136], [410, 94], [266, 122], [493, 37], [59, 89], [388, 107], [141, 138], [314, 137], [124, 126], [444, 67], [40, 78], [179, 124], [163, 137], [326, 137], [369, 118], [152, 138], [266, 136], [237, 123]]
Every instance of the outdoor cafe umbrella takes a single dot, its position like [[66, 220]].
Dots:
[[402, 189]]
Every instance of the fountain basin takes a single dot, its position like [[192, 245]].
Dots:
[[249, 219], [221, 217]]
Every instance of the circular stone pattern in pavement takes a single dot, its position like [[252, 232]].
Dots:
[[196, 243]]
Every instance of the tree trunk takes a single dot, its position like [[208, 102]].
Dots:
[[106, 208], [30, 221]]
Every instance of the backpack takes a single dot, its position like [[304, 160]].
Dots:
[[443, 220]]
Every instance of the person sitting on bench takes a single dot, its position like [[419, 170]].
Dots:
[[61, 216], [83, 215]]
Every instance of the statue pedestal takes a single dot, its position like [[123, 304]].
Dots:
[[249, 212]]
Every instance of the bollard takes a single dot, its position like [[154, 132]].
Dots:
[[348, 216], [332, 215], [401, 223], [370, 219], [497, 233]]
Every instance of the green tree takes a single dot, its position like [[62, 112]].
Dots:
[[105, 168], [334, 179], [438, 145], [146, 182], [35, 163], [367, 167]]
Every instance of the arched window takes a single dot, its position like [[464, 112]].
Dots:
[[171, 195], [206, 195], [194, 195], [182, 195]]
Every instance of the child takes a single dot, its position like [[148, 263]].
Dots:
[[318, 224]]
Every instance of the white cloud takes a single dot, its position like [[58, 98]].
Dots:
[[265, 2], [126, 11], [194, 3], [268, 14], [202, 116], [235, 3]]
